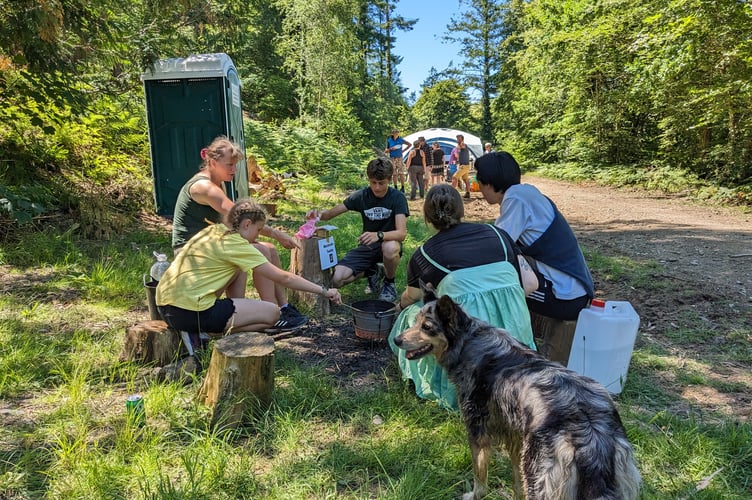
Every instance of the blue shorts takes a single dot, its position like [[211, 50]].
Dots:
[[212, 320]]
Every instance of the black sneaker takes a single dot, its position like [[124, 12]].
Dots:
[[374, 281], [388, 292], [289, 319], [467, 195]]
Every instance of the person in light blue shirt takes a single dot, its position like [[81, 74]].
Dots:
[[394, 148], [542, 233]]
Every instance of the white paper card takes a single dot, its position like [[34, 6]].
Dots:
[[327, 253]]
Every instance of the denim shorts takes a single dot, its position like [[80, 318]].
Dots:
[[212, 320]]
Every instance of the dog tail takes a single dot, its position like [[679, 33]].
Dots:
[[628, 478], [605, 472]]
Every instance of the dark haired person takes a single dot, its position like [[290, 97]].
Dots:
[[542, 233], [478, 266], [384, 213], [429, 161], [189, 295], [437, 170], [416, 167]]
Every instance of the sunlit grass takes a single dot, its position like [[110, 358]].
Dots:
[[629, 271], [67, 436]]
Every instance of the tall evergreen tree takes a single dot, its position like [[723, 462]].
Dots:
[[442, 104], [479, 29]]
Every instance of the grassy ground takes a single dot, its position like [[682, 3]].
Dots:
[[65, 303]]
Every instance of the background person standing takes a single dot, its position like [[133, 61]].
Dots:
[[428, 159], [416, 167], [394, 149], [463, 159], [437, 170]]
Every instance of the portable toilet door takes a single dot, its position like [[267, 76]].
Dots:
[[189, 102]]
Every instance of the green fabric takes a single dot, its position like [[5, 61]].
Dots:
[[190, 216], [491, 292]]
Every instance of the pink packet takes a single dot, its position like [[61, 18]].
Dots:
[[307, 229]]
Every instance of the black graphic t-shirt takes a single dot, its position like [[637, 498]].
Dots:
[[378, 214]]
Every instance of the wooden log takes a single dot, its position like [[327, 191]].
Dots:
[[182, 371], [240, 378], [151, 342], [306, 262], [553, 337]]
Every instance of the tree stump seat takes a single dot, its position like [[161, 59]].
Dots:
[[553, 337], [306, 262], [151, 342], [240, 377]]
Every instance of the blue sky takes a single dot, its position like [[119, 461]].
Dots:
[[422, 47]]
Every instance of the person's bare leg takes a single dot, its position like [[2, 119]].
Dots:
[[343, 275], [390, 251], [271, 289], [235, 289], [395, 172], [268, 290], [252, 315]]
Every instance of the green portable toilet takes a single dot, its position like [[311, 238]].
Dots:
[[189, 102]]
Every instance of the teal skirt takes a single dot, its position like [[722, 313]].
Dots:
[[491, 292]]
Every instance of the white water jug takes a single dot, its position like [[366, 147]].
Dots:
[[603, 342]]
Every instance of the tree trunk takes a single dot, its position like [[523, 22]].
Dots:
[[240, 378], [151, 342], [306, 262]]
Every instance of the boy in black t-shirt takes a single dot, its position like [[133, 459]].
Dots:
[[384, 212]]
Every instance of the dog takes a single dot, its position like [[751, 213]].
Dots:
[[562, 431]]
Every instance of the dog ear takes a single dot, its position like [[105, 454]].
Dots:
[[451, 315], [446, 310], [429, 293]]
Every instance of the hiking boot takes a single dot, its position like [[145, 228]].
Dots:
[[388, 292], [289, 319], [374, 281], [467, 195]]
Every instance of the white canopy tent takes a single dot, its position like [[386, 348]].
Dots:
[[447, 139]]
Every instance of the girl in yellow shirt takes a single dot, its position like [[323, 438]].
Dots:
[[189, 293]]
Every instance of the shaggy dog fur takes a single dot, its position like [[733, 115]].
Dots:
[[562, 431]]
